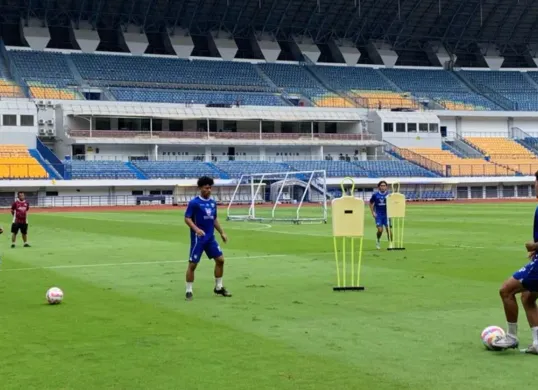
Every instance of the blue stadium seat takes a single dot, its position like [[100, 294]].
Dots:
[[393, 168], [196, 97], [439, 85], [350, 78], [200, 74], [175, 169], [99, 170], [294, 79], [512, 85], [333, 168], [237, 168], [42, 66]]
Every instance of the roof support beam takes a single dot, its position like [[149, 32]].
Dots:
[[377, 17], [531, 31], [243, 8], [282, 18], [469, 20], [453, 19], [406, 19], [178, 15], [510, 11], [198, 4], [273, 5], [148, 9], [516, 24]]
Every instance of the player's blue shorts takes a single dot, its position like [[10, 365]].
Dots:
[[200, 245], [528, 276], [382, 220]]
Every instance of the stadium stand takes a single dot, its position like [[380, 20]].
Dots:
[[47, 74], [99, 170], [17, 163], [165, 72], [506, 152], [393, 168], [458, 166], [333, 168], [196, 97], [296, 79], [176, 169], [514, 86], [50, 75], [439, 85], [8, 88], [234, 169]]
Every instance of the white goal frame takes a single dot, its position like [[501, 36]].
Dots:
[[256, 181]]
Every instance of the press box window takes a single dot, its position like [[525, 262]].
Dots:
[[388, 127], [434, 128], [400, 127], [411, 127], [9, 120], [27, 120], [423, 127]]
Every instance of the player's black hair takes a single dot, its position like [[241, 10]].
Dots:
[[536, 175], [381, 182], [20, 192], [205, 181]]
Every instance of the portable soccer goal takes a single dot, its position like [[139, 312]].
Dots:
[[294, 196]]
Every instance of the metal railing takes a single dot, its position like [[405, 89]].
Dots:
[[202, 135], [407, 154]]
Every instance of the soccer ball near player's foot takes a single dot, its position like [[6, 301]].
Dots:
[[55, 296], [490, 334]]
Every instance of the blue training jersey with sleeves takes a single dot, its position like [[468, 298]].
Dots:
[[203, 213], [379, 200]]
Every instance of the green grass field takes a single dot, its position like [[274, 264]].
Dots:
[[124, 323]]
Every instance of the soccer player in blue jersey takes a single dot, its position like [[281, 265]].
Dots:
[[378, 207], [201, 217], [524, 281]]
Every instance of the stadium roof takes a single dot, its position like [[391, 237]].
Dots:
[[402, 23]]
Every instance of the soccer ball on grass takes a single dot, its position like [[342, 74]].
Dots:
[[54, 296], [490, 334]]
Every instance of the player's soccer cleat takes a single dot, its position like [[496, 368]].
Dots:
[[27, 245], [188, 296], [222, 292], [532, 349], [507, 342], [13, 245]]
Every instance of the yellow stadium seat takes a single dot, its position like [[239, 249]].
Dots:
[[16, 163], [458, 166], [333, 101], [506, 152], [386, 99], [44, 91], [10, 89]]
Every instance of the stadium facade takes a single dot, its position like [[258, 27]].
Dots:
[[118, 102]]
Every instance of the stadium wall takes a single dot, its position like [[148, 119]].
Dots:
[[83, 193]]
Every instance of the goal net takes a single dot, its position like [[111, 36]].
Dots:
[[294, 196]]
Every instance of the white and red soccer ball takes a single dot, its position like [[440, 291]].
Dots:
[[54, 296], [491, 334]]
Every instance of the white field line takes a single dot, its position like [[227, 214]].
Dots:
[[138, 263], [127, 264]]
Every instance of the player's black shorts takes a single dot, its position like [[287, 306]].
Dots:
[[23, 227]]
